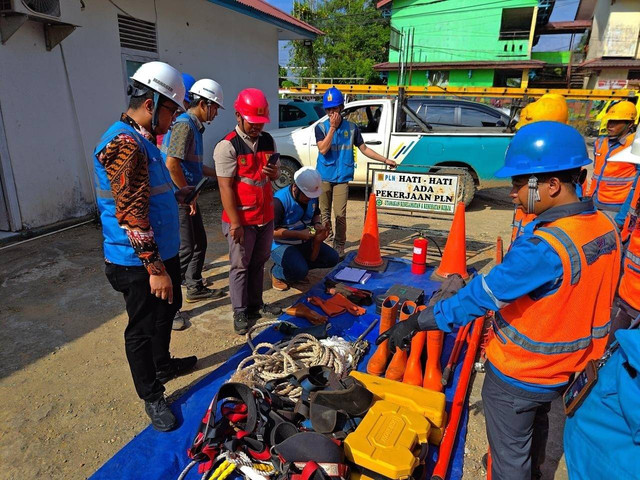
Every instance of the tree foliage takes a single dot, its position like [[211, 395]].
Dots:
[[356, 38]]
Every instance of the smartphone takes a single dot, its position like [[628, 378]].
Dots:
[[579, 388], [273, 159], [189, 198]]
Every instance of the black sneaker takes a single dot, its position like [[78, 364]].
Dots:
[[161, 416], [203, 293], [267, 310], [175, 368], [240, 322]]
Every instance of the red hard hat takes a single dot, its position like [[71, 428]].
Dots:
[[252, 105]]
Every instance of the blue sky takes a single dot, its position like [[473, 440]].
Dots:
[[563, 10]]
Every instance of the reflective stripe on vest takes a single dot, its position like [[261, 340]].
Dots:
[[252, 188], [630, 221], [192, 163], [544, 341], [163, 207], [338, 164], [295, 217], [629, 289], [611, 181]]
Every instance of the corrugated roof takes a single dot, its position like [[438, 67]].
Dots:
[[264, 8], [473, 65], [574, 26], [382, 3], [605, 63]]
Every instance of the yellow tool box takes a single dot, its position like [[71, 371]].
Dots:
[[428, 403], [391, 440]]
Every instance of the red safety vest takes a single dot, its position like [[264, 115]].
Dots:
[[611, 181], [252, 188], [546, 340], [520, 220]]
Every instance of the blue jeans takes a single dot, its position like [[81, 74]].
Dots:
[[292, 262]]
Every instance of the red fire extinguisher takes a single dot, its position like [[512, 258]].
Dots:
[[419, 262]]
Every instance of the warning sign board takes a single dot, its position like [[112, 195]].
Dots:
[[416, 191]]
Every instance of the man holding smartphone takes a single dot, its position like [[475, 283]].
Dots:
[[244, 176], [183, 150], [337, 138]]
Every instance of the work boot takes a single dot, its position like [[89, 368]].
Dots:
[[203, 293], [266, 310], [278, 284], [398, 363], [388, 314], [179, 321], [162, 418], [340, 249], [240, 322], [175, 368]]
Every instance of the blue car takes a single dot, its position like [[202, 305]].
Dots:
[[298, 113]]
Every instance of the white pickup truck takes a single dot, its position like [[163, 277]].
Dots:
[[423, 135]]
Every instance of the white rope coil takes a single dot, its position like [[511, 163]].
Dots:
[[276, 361]]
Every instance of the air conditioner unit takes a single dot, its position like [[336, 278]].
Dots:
[[14, 13]]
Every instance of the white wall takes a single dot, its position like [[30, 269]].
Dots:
[[50, 142], [613, 23]]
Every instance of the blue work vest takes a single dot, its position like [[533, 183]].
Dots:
[[163, 207], [602, 438], [295, 218], [192, 163], [338, 164]]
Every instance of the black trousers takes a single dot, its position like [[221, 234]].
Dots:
[[517, 428], [148, 333], [193, 246]]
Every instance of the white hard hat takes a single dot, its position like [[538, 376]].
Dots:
[[163, 79], [209, 89], [628, 155], [308, 181]]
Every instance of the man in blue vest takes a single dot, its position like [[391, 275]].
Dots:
[[298, 234], [183, 150], [336, 138], [138, 207]]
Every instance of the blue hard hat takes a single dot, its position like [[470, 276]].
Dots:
[[188, 81], [543, 147], [332, 98]]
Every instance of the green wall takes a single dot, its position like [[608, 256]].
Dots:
[[456, 31], [553, 58]]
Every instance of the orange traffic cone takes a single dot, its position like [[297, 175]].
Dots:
[[433, 370], [413, 372], [369, 252], [398, 363], [388, 315], [454, 258]]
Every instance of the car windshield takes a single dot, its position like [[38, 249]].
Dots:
[[319, 110]]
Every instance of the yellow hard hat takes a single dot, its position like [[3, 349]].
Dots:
[[551, 107], [622, 111]]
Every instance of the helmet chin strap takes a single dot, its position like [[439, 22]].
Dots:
[[156, 112], [533, 195]]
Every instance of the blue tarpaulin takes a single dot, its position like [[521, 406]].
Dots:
[[156, 455]]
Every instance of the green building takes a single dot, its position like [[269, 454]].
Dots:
[[478, 43]]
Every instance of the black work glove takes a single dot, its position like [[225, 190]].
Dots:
[[448, 288], [400, 334]]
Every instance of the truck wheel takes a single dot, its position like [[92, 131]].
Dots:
[[287, 168], [466, 179]]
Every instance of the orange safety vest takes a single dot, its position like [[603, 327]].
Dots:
[[611, 181], [629, 289], [252, 188], [631, 219], [520, 220], [545, 341]]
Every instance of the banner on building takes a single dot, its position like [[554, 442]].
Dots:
[[421, 192]]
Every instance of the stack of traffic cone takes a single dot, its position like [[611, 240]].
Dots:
[[398, 363], [388, 315], [369, 252], [454, 258]]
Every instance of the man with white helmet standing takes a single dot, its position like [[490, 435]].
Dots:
[[183, 150], [138, 207], [299, 235]]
